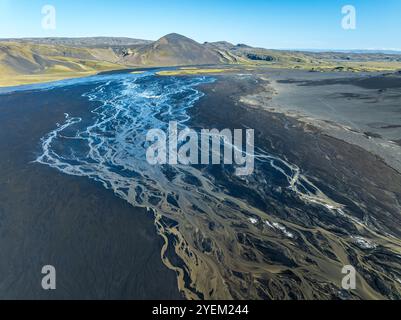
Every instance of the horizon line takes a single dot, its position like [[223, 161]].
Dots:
[[243, 43]]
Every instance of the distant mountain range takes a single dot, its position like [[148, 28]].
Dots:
[[82, 42], [49, 56], [363, 51]]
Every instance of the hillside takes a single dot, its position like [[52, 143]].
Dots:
[[173, 50], [28, 63], [90, 42], [45, 59]]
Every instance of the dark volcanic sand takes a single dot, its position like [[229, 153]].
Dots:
[[85, 231], [348, 174], [102, 247], [350, 169]]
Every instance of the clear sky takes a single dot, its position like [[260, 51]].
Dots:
[[311, 24]]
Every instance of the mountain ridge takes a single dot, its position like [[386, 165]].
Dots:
[[43, 59], [174, 49]]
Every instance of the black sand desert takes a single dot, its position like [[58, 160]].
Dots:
[[298, 197], [324, 194], [103, 247]]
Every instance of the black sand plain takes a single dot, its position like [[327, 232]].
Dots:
[[368, 187], [101, 247], [105, 249]]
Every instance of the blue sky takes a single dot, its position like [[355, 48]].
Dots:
[[290, 24]]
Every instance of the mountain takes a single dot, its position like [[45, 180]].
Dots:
[[221, 45], [31, 60], [171, 50], [89, 42], [22, 62]]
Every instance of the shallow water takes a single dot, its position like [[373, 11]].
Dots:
[[223, 225], [110, 146]]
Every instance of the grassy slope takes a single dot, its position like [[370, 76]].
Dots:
[[31, 63], [24, 63], [318, 61]]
